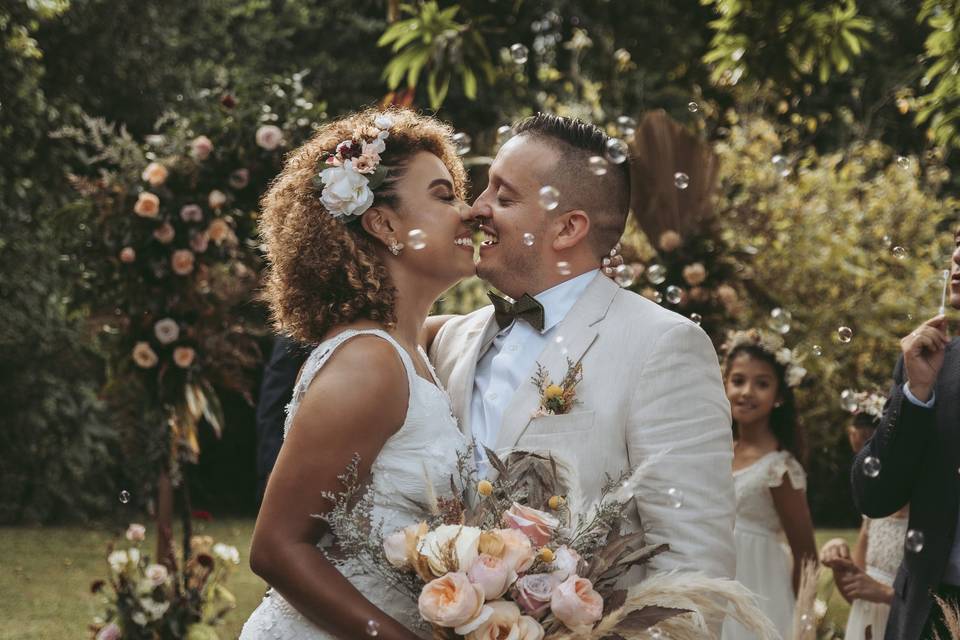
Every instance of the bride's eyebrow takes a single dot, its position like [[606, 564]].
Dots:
[[440, 182]]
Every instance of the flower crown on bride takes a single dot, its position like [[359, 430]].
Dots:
[[348, 176], [772, 344]]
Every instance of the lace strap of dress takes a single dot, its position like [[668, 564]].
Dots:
[[322, 353], [781, 464]]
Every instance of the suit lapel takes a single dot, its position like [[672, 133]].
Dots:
[[949, 416], [460, 384], [578, 332]]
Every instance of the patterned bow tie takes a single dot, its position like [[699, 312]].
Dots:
[[526, 308]]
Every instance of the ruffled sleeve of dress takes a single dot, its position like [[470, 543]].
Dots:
[[784, 464]]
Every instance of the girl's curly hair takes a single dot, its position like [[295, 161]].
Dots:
[[321, 271]]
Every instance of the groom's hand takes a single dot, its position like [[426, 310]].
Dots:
[[923, 352]]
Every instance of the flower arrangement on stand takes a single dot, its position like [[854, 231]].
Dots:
[[516, 556], [148, 601]]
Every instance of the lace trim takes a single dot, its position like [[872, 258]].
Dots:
[[784, 464]]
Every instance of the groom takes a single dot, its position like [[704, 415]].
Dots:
[[651, 388]]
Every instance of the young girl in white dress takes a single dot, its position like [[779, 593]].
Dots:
[[364, 230], [865, 575], [769, 480]]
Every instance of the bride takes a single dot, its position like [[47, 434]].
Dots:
[[363, 231]]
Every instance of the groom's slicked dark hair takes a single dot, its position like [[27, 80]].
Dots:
[[605, 198]]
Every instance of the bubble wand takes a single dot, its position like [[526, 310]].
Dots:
[[943, 295]]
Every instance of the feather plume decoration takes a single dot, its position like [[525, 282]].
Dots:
[[699, 598], [804, 612], [951, 619]]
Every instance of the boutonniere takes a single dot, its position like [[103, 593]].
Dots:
[[558, 399]]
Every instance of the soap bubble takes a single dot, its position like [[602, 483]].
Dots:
[[519, 53], [549, 198], [616, 150]]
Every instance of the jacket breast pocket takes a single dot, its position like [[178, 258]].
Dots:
[[577, 422]]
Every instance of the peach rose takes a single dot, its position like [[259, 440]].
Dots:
[[199, 241], [437, 545], [147, 205], [219, 231], [183, 357], [530, 629], [269, 137], [565, 562], [538, 525], [575, 603], [155, 173], [694, 274], [200, 148], [216, 199], [144, 356], [493, 575], [164, 233], [503, 623], [182, 262], [136, 532], [128, 255], [517, 551], [670, 241], [191, 213], [450, 601], [534, 591]]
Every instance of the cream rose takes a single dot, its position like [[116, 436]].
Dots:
[[182, 262], [144, 356], [345, 191], [534, 591], [136, 532], [450, 601], [128, 255], [670, 241], [565, 562], [694, 274], [164, 233], [216, 199], [269, 137], [157, 574], [493, 575], [530, 629], [226, 553], [200, 148], [147, 205], [538, 525], [517, 549], [183, 357], [575, 603], [191, 213], [118, 561], [155, 173], [437, 544], [502, 624], [166, 330], [365, 164]]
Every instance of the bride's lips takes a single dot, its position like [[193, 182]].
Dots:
[[464, 241]]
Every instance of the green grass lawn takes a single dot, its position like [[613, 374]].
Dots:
[[45, 575]]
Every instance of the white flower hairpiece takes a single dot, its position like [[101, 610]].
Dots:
[[773, 344], [870, 403], [348, 176]]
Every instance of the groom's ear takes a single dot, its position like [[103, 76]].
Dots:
[[380, 223], [574, 228]]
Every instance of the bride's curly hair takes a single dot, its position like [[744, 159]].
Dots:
[[321, 271]]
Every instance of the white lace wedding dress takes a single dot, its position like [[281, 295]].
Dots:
[[764, 564], [423, 450], [884, 552]]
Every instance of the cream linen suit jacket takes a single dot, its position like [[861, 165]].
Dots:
[[651, 384]]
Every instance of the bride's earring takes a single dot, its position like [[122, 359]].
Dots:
[[395, 247]]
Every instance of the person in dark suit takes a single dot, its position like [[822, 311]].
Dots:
[[276, 389], [914, 457]]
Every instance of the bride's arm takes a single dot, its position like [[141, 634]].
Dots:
[[353, 406]]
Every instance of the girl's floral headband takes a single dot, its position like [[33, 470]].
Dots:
[[348, 176], [772, 344], [870, 403]]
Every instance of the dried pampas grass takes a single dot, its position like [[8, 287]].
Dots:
[[804, 612], [951, 619]]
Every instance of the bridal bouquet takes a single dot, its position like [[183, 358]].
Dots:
[[508, 558]]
